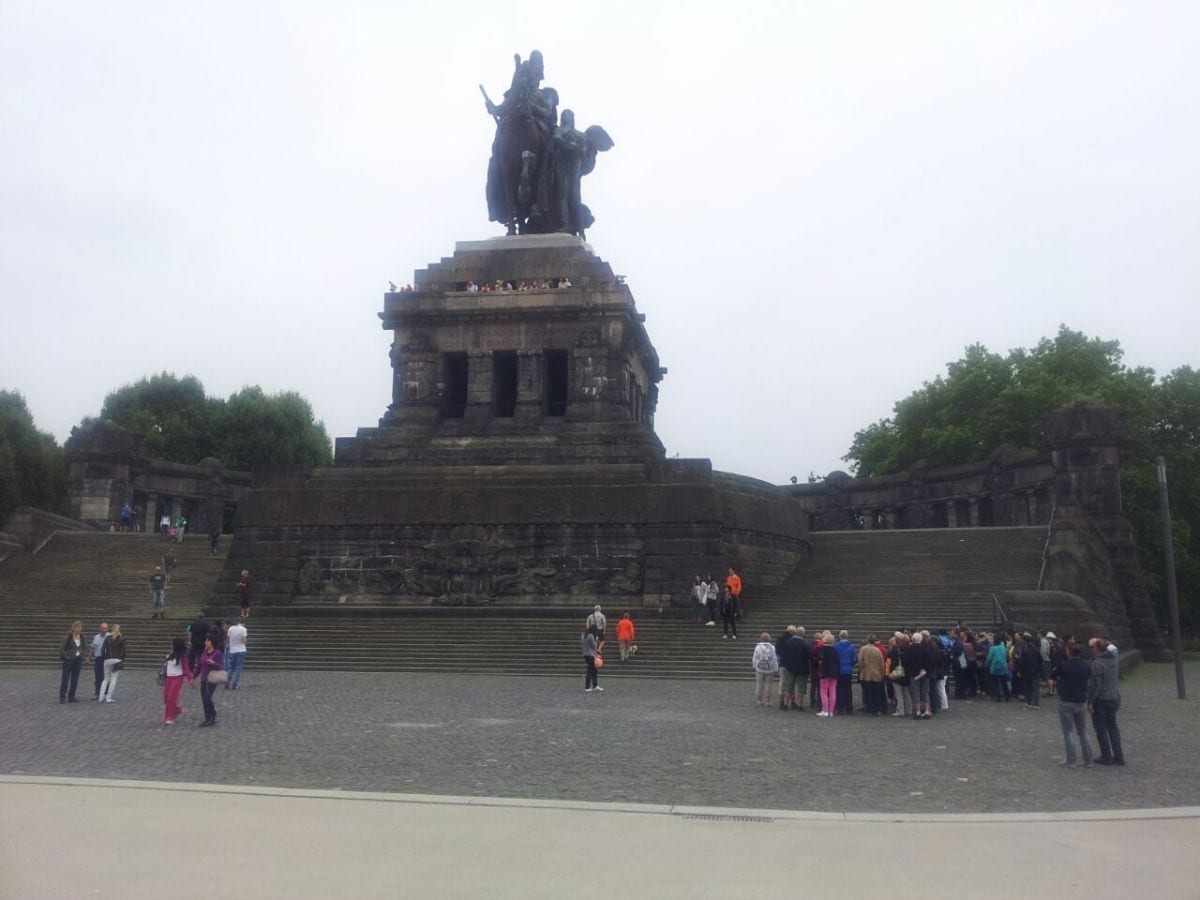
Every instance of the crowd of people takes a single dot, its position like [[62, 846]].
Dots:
[[711, 600], [907, 675], [209, 654]]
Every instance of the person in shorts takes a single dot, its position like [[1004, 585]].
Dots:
[[158, 589]]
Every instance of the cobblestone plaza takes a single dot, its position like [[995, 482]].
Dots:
[[642, 740]]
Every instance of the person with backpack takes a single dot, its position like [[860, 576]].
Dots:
[[766, 667]]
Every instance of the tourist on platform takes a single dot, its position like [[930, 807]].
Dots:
[[96, 655], [847, 658], [766, 667], [164, 525], [796, 662], [1104, 699], [71, 653], [870, 678], [197, 632], [712, 598], [899, 675], [997, 666], [235, 654], [158, 593], [176, 669], [208, 665], [625, 637], [728, 614], [180, 527], [1031, 670], [830, 668], [591, 652], [243, 589], [1073, 674], [214, 538], [733, 583], [599, 624], [919, 664], [699, 598], [114, 662], [126, 518]]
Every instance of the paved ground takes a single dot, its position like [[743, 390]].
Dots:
[[133, 841], [675, 742]]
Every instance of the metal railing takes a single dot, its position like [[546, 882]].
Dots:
[[1046, 547]]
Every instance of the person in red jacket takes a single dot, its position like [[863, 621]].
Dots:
[[625, 637]]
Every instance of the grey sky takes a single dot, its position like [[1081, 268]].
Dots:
[[816, 205]]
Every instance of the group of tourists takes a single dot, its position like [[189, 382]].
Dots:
[[711, 600], [209, 655], [908, 676]]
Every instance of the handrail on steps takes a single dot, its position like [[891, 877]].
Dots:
[[1046, 547]]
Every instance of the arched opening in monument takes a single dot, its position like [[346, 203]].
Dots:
[[962, 513], [504, 383], [455, 374], [987, 512], [939, 516], [556, 383]]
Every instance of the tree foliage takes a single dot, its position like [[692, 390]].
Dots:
[[177, 421], [985, 400], [32, 469]]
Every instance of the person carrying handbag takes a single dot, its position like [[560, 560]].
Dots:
[[210, 672], [114, 661]]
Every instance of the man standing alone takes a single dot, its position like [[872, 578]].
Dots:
[[158, 588], [96, 654], [733, 584], [235, 647]]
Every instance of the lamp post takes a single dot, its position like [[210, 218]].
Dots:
[[1172, 594]]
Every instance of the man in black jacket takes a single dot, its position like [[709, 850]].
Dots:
[[794, 667], [1072, 676]]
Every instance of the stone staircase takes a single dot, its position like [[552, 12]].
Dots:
[[861, 581]]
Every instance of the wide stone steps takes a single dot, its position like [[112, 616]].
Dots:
[[861, 581]]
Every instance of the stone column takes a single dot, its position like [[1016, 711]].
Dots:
[[479, 388], [868, 519], [530, 385], [149, 521]]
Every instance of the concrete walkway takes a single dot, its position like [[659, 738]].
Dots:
[[129, 839]]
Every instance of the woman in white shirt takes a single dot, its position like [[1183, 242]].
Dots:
[[175, 669]]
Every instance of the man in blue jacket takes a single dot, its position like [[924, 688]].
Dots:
[[847, 656]]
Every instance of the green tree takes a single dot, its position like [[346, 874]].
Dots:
[[175, 420], [171, 416], [32, 469], [985, 400], [258, 430]]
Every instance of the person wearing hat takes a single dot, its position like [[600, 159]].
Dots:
[[1104, 699]]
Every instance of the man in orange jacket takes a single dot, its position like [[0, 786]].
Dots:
[[733, 581], [625, 637]]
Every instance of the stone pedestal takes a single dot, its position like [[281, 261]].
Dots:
[[517, 464]]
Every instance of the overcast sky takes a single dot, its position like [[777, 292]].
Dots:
[[816, 205]]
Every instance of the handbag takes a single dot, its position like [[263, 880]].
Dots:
[[118, 665], [161, 675], [217, 676], [599, 662], [896, 673]]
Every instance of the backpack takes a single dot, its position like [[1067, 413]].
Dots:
[[762, 662]]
